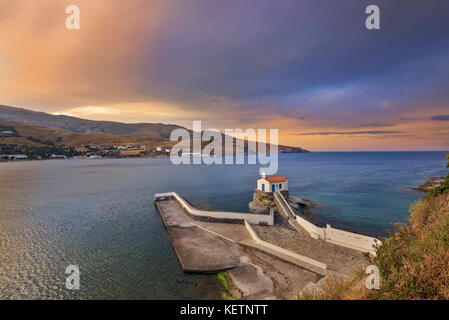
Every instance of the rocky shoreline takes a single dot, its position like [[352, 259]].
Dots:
[[430, 184], [303, 207], [262, 202]]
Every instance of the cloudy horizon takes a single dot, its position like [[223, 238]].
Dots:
[[309, 68]]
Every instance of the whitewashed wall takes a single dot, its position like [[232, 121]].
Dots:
[[329, 234], [284, 185], [251, 218], [351, 240], [268, 185], [261, 182], [314, 231]]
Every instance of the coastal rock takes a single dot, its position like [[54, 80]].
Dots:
[[296, 202], [299, 203], [263, 201], [257, 209], [302, 207], [288, 149], [266, 199], [294, 205], [429, 184]]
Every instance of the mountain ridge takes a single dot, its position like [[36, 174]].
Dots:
[[79, 125], [21, 116]]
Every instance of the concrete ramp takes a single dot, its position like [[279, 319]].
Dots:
[[283, 206], [285, 209]]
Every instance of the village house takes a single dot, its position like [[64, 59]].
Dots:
[[58, 156]]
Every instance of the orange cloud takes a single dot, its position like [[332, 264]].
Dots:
[[100, 72], [51, 65]]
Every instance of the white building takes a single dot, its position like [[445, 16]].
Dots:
[[58, 156], [94, 156], [15, 156], [272, 184]]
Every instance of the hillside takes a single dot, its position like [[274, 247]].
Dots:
[[42, 119], [96, 132], [27, 135], [42, 143]]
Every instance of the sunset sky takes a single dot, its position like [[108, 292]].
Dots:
[[309, 68]]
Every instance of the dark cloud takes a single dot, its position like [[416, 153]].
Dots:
[[234, 62], [444, 117], [328, 133], [272, 49], [305, 57], [371, 125]]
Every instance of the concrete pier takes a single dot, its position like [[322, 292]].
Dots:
[[198, 250], [259, 264]]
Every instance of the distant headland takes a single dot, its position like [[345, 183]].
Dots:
[[26, 134]]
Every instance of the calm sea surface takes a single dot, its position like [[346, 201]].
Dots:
[[100, 216]]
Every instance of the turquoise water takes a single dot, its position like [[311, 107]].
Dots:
[[100, 216]]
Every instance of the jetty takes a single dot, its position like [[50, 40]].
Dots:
[[267, 255]]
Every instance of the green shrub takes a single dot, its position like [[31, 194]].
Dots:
[[414, 261], [443, 188], [223, 278]]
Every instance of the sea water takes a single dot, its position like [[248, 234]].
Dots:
[[99, 215]]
